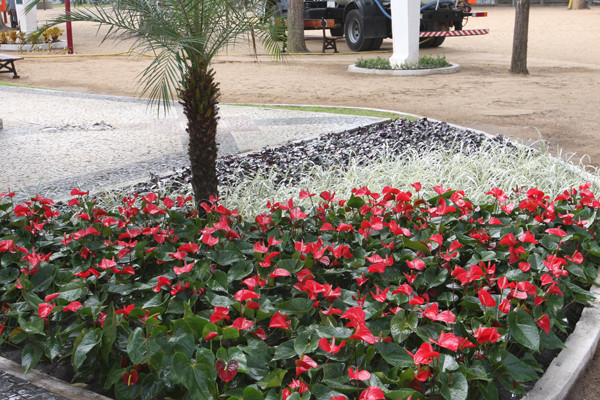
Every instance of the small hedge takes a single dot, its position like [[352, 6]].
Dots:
[[383, 295], [425, 62]]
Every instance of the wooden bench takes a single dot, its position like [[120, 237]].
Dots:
[[7, 64], [329, 42]]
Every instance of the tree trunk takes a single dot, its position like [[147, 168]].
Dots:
[[518, 64], [578, 5], [199, 96], [295, 27], [3, 27]]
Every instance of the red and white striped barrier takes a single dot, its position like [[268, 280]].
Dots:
[[466, 32]]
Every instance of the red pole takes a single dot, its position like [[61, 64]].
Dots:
[[69, 30]]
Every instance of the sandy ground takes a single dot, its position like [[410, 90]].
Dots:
[[559, 101]]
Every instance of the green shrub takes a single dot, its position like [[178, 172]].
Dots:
[[425, 62]]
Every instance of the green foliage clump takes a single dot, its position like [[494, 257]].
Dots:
[[381, 295], [425, 62]]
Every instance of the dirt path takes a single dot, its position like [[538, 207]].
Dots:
[[559, 101]]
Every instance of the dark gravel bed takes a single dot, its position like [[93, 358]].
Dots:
[[287, 163]]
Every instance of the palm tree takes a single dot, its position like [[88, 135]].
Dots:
[[184, 35]]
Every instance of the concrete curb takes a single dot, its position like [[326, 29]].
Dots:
[[49, 383], [570, 363], [453, 68]]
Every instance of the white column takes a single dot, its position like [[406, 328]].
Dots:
[[406, 15], [27, 21]]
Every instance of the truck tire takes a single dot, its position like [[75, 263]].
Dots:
[[355, 32], [376, 44]]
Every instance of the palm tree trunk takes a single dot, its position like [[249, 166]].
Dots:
[[199, 96]]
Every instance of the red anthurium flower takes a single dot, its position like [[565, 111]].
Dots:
[[244, 294], [544, 323], [504, 306], [304, 364], [178, 287], [417, 264], [259, 247], [331, 311], [297, 213], [577, 257], [422, 374], [381, 294], [254, 281], [358, 375], [126, 310], [189, 247], [525, 267], [279, 272], [279, 320], [447, 341], [486, 298], [51, 297], [298, 384], [226, 370], [475, 273], [44, 309], [404, 289], [187, 268], [162, 281], [242, 324], [355, 314], [130, 377], [372, 393], [328, 347], [73, 306], [379, 263], [178, 255], [363, 333], [211, 336], [219, 313], [556, 231], [485, 335], [495, 221], [106, 264], [528, 237], [361, 280], [424, 355]]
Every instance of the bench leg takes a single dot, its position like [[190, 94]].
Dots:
[[4, 65]]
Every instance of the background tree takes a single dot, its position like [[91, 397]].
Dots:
[[295, 27], [518, 64], [578, 5], [184, 36]]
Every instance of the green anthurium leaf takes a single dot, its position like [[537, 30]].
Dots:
[[285, 351], [231, 333], [297, 306], [136, 347], [395, 355], [196, 376], [402, 394], [183, 342], [30, 356], [240, 270], [251, 393], [488, 390], [225, 257], [8, 275], [272, 379], [331, 331], [415, 245], [150, 387], [355, 202], [519, 370], [435, 276], [305, 343], [125, 392], [89, 341], [44, 277], [523, 329], [447, 363], [322, 392], [454, 386], [109, 332]]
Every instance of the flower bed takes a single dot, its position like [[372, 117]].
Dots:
[[382, 295]]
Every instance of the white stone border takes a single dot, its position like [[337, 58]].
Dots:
[[58, 45], [453, 68]]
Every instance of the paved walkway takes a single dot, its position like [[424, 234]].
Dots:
[[54, 141]]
